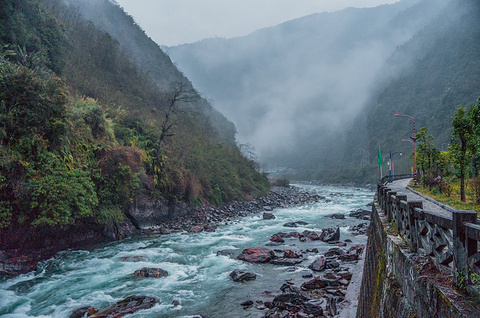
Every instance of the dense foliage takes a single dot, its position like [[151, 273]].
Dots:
[[85, 131], [441, 170]]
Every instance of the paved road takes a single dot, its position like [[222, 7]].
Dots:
[[400, 186]]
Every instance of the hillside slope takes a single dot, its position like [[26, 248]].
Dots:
[[443, 72], [292, 90], [86, 132]]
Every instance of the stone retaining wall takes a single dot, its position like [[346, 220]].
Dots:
[[398, 283]]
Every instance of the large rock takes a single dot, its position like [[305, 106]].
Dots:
[[268, 215], [84, 312], [311, 235], [151, 272], [242, 276], [335, 251], [338, 216], [292, 254], [282, 261], [256, 255], [330, 235], [136, 258], [318, 283], [360, 213], [127, 306], [318, 265], [277, 238]]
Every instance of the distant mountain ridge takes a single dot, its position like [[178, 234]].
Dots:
[[294, 89]]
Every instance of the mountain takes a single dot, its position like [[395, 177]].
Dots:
[[89, 131], [110, 18], [293, 90]]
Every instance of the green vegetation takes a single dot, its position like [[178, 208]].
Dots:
[[453, 176], [85, 131]]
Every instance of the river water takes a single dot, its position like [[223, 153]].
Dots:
[[198, 278]]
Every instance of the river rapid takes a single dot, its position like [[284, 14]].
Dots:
[[198, 279]]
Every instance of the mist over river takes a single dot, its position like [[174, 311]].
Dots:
[[198, 278]]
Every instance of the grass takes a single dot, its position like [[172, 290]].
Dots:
[[454, 199]]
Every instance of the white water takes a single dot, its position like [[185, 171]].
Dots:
[[198, 278]]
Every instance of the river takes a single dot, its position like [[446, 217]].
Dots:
[[198, 278]]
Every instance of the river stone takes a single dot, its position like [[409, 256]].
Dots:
[[282, 261], [330, 235], [348, 257], [134, 259], [360, 213], [151, 272], [318, 265], [312, 309], [127, 306], [268, 215], [277, 238], [256, 255], [338, 216], [290, 224], [84, 312], [226, 253], [242, 276], [336, 251], [292, 254], [311, 235]]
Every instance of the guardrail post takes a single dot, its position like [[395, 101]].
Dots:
[[460, 246], [384, 198], [396, 216], [389, 208], [413, 227]]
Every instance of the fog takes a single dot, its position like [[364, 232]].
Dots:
[[293, 90]]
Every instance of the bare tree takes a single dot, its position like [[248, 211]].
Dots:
[[178, 94]]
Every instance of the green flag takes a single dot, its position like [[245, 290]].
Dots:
[[380, 161]]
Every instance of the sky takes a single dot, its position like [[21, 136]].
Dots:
[[174, 22]]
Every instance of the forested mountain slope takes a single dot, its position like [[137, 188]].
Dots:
[[86, 132], [443, 72]]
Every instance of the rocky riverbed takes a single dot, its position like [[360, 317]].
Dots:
[[21, 249], [257, 261]]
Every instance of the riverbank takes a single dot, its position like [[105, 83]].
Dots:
[[199, 266], [22, 248]]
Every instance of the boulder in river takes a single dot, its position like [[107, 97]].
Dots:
[[256, 255], [151, 272], [318, 283], [292, 254], [311, 235], [318, 265], [225, 253], [338, 216], [330, 235], [282, 261], [360, 213], [135, 258], [241, 276], [127, 306], [84, 312], [268, 215], [277, 238]]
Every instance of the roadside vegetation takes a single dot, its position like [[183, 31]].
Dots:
[[453, 176]]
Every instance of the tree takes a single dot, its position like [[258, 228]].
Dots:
[[427, 156], [464, 142], [179, 93]]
